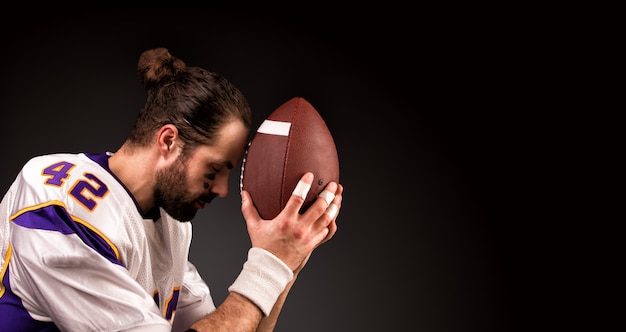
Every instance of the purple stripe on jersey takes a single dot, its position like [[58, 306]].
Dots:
[[11, 306], [173, 304], [56, 218], [101, 159]]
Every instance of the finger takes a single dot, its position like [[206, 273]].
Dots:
[[248, 209], [321, 237], [303, 186], [299, 193], [328, 221], [328, 194], [333, 208], [322, 210], [332, 211], [328, 214], [332, 229]]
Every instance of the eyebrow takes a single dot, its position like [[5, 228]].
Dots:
[[226, 163]]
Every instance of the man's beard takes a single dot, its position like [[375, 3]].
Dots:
[[171, 192]]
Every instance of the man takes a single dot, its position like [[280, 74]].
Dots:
[[100, 242]]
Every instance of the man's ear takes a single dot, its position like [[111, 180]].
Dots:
[[167, 139]]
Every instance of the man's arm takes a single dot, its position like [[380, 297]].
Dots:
[[269, 323], [236, 313], [280, 249]]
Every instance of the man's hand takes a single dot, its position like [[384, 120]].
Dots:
[[291, 236]]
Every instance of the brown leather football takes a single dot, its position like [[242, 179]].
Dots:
[[292, 140]]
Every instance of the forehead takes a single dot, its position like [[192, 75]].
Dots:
[[229, 146]]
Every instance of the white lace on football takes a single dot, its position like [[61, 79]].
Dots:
[[271, 127]]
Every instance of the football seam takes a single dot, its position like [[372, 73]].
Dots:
[[287, 150], [243, 166]]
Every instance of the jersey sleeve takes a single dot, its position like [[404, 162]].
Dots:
[[195, 300], [77, 283]]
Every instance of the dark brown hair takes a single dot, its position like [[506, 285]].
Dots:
[[198, 102]]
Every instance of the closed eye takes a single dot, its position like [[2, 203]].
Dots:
[[218, 169], [211, 176]]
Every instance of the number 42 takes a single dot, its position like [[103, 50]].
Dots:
[[85, 190]]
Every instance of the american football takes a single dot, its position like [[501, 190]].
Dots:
[[292, 140]]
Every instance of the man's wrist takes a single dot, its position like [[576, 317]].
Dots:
[[262, 279]]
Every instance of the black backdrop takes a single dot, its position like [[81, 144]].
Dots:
[[425, 241]]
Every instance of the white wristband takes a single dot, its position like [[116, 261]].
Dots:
[[262, 279]]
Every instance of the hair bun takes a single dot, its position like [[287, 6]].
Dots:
[[158, 66]]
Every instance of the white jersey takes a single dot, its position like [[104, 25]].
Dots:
[[78, 254]]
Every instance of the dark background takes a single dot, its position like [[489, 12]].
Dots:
[[430, 235]]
